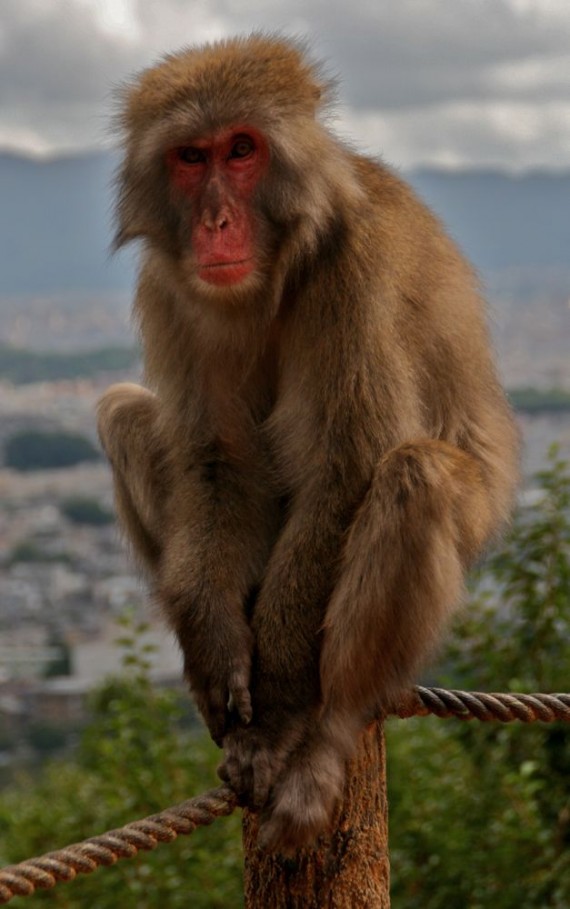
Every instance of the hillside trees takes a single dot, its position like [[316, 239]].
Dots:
[[36, 449]]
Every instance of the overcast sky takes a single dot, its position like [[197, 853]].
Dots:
[[445, 82]]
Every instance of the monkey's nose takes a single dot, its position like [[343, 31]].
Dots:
[[214, 223]]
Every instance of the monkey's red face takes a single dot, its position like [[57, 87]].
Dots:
[[218, 174]]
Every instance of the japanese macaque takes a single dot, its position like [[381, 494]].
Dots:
[[323, 447]]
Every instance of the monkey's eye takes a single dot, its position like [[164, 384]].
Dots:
[[242, 147], [191, 155]]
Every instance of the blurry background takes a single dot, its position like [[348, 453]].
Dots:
[[469, 99]]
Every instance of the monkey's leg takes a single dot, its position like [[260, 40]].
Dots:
[[425, 518], [127, 423], [221, 525], [203, 528], [287, 624], [426, 513]]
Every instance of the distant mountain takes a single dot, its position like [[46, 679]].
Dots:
[[503, 220], [55, 221], [55, 226]]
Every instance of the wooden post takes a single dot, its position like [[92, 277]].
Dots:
[[350, 868]]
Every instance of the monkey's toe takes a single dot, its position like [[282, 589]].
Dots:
[[288, 826]]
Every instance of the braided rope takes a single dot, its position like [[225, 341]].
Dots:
[[125, 842], [469, 705], [106, 849]]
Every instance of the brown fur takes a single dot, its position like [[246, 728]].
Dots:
[[325, 448]]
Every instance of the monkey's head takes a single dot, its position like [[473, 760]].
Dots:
[[226, 163]]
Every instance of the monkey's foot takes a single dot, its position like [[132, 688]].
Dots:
[[303, 800]]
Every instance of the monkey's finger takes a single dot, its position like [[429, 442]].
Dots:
[[238, 775], [228, 771], [270, 836], [222, 771], [216, 723], [212, 706], [284, 834]]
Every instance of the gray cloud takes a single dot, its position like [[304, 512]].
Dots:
[[425, 53], [462, 81]]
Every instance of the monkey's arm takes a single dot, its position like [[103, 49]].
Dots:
[[219, 536], [202, 527], [428, 513]]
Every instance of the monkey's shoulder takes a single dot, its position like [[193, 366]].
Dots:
[[394, 200], [410, 242]]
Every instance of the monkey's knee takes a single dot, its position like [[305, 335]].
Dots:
[[125, 414], [127, 424], [435, 484]]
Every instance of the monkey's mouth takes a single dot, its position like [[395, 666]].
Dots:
[[226, 273]]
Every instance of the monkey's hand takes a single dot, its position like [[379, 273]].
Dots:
[[217, 665], [255, 757], [297, 780]]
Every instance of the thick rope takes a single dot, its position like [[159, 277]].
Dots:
[[106, 849], [469, 705]]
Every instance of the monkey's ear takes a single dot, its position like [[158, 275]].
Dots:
[[137, 213], [121, 238], [126, 226], [325, 88], [126, 232]]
